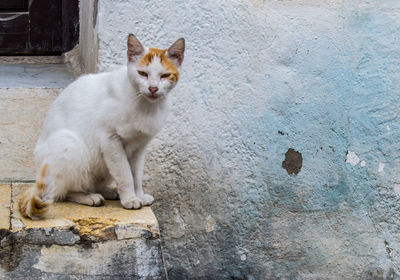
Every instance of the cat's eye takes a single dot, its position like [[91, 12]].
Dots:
[[141, 73], [166, 75]]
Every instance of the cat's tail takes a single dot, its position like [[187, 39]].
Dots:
[[31, 204]]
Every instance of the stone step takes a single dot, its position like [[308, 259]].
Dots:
[[78, 242], [22, 113], [26, 92], [74, 241]]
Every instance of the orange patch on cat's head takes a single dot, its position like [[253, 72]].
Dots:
[[165, 61]]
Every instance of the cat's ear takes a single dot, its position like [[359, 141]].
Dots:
[[176, 51], [135, 48]]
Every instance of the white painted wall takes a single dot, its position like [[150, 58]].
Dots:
[[259, 78]]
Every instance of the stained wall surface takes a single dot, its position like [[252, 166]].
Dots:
[[88, 45], [281, 154]]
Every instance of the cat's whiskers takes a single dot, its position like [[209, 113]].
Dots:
[[137, 95]]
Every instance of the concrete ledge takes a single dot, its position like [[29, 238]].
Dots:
[[78, 242], [22, 113], [31, 59], [26, 92], [34, 76]]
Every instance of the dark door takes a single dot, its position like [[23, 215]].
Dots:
[[41, 27]]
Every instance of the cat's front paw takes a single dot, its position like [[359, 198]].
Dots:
[[95, 199], [147, 199], [133, 203]]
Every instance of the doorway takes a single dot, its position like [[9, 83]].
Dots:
[[38, 27]]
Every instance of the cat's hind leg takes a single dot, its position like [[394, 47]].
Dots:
[[109, 192], [90, 199], [106, 188], [68, 160]]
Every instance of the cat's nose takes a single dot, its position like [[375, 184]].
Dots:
[[153, 89]]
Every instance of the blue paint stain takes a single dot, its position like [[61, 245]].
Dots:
[[345, 102]]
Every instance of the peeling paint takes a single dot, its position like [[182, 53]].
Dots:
[[396, 188], [96, 228], [293, 161], [352, 158], [381, 167], [210, 224], [179, 220]]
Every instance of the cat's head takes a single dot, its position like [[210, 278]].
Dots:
[[154, 71]]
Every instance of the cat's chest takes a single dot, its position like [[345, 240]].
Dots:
[[136, 141], [134, 130], [140, 123]]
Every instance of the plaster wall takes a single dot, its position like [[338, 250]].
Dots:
[[281, 155], [88, 45]]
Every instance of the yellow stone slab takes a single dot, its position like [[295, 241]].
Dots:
[[5, 203], [85, 218]]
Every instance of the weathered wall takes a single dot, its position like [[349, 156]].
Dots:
[[261, 78], [88, 45]]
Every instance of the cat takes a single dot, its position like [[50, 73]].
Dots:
[[97, 129]]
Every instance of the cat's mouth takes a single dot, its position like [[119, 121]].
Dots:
[[152, 97]]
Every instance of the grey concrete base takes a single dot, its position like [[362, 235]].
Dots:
[[63, 254], [78, 242]]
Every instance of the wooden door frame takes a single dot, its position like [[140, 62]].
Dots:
[[44, 27]]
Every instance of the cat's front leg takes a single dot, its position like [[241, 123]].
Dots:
[[117, 163], [137, 163]]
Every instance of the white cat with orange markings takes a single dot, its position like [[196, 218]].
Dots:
[[97, 130]]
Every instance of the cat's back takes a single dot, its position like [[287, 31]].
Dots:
[[88, 91], [86, 85], [96, 86], [79, 102]]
